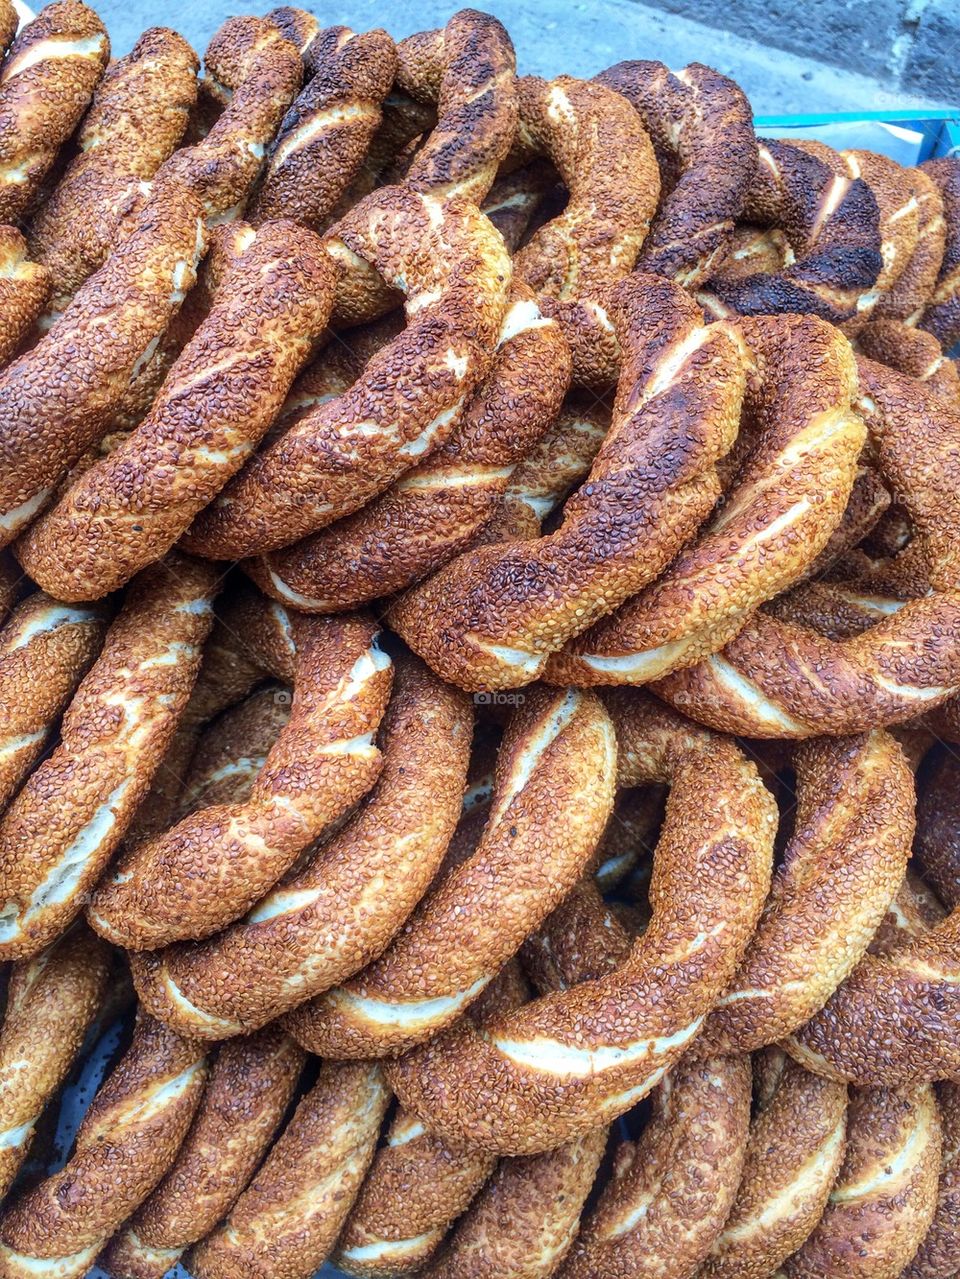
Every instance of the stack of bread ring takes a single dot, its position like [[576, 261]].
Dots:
[[494, 546]]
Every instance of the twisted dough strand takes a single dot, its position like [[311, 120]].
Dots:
[[58, 397], [492, 618], [58, 835], [212, 866], [137, 117], [46, 82], [794, 1152], [911, 292], [572, 1060], [24, 288], [939, 1253], [553, 791], [216, 404], [285, 1223], [248, 1090], [324, 922], [437, 509], [46, 649], [128, 1139], [941, 316], [51, 1002]]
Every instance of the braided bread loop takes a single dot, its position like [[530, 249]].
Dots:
[[780, 679], [492, 618], [325, 922], [128, 1139], [832, 223], [573, 1060], [557, 743], [339, 454], [45, 650], [57, 399], [128, 509], [802, 438], [214, 864], [60, 832], [138, 116], [437, 509], [46, 83], [701, 126], [51, 1002], [24, 288]]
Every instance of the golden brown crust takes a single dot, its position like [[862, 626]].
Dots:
[[254, 73], [795, 1149], [492, 618], [671, 1190], [128, 1139], [938, 827], [249, 1088], [571, 1060], [60, 832], [701, 126], [437, 509], [839, 873], [137, 118], [912, 351], [216, 404], [912, 291], [343, 452], [46, 649], [58, 397], [552, 797], [51, 1001], [800, 438], [325, 135], [24, 288], [286, 1221], [46, 82], [324, 922], [9, 21], [886, 1192], [941, 316], [215, 863], [833, 225], [939, 1253]]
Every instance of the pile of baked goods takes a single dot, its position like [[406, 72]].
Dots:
[[482, 649]]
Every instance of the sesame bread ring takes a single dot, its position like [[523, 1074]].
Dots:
[[833, 224], [551, 800], [286, 1221], [323, 923], [941, 316], [435, 510], [46, 648], [573, 1060], [779, 679], [939, 1254], [51, 1002], [326, 133], [603, 154], [212, 866], [799, 442], [60, 832], [672, 1189], [216, 404], [886, 1192], [24, 288], [46, 83], [843, 865], [456, 274], [128, 1139], [701, 126], [911, 292], [492, 618], [47, 419], [137, 118], [794, 1151], [255, 74], [250, 1085], [417, 1185]]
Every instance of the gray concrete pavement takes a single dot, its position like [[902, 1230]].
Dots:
[[580, 38]]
